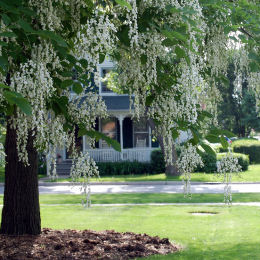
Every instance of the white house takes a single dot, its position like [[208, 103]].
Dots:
[[134, 136]]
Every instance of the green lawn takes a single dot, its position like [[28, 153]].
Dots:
[[144, 198], [233, 233], [252, 175]]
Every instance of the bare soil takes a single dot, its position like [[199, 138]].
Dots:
[[86, 244]]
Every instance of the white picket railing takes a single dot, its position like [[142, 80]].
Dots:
[[110, 155]]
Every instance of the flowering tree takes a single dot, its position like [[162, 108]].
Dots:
[[168, 53]]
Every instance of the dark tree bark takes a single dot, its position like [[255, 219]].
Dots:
[[172, 169], [21, 211]]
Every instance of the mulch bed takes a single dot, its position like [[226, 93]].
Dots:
[[86, 244]]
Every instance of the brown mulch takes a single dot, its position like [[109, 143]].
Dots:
[[86, 244]]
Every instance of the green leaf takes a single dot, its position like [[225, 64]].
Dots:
[[53, 36], [84, 63], [8, 34], [143, 59], [175, 133], [4, 63], [207, 148], [124, 3], [15, 98], [98, 136], [6, 19], [212, 138], [102, 57], [66, 83], [253, 56], [149, 100], [25, 26], [24, 105], [180, 52], [224, 142], [63, 104], [168, 43], [3, 43], [254, 66], [77, 88], [4, 86]]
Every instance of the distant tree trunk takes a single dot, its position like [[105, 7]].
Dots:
[[171, 170], [21, 211]]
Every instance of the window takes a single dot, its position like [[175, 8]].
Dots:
[[109, 128], [141, 133], [104, 74]]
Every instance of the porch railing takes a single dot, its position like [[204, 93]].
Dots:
[[110, 155]]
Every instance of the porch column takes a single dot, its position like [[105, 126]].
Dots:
[[121, 119], [84, 144], [150, 136]]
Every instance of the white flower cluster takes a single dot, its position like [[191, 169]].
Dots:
[[85, 108], [34, 82], [189, 159], [94, 39], [84, 167], [226, 166]]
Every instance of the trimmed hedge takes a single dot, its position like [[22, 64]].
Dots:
[[124, 168], [249, 147], [210, 163]]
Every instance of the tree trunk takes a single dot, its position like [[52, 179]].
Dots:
[[172, 169], [21, 211]]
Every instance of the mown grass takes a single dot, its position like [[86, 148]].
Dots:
[[144, 198], [233, 233], [251, 175]]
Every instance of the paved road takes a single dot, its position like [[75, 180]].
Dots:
[[151, 188]]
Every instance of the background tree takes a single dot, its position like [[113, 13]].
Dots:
[[237, 111]]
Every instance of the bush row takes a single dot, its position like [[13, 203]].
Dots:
[[209, 161], [124, 168], [249, 147]]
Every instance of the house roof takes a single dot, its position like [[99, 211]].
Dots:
[[114, 103]]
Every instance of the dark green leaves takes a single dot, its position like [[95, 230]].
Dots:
[[14, 98], [212, 138], [98, 136], [77, 88], [25, 26], [7, 34], [207, 148], [52, 36], [180, 52], [67, 83]]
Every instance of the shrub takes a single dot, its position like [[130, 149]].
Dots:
[[123, 168], [157, 161], [209, 161], [250, 147], [243, 160]]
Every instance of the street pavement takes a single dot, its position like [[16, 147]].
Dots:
[[53, 188]]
